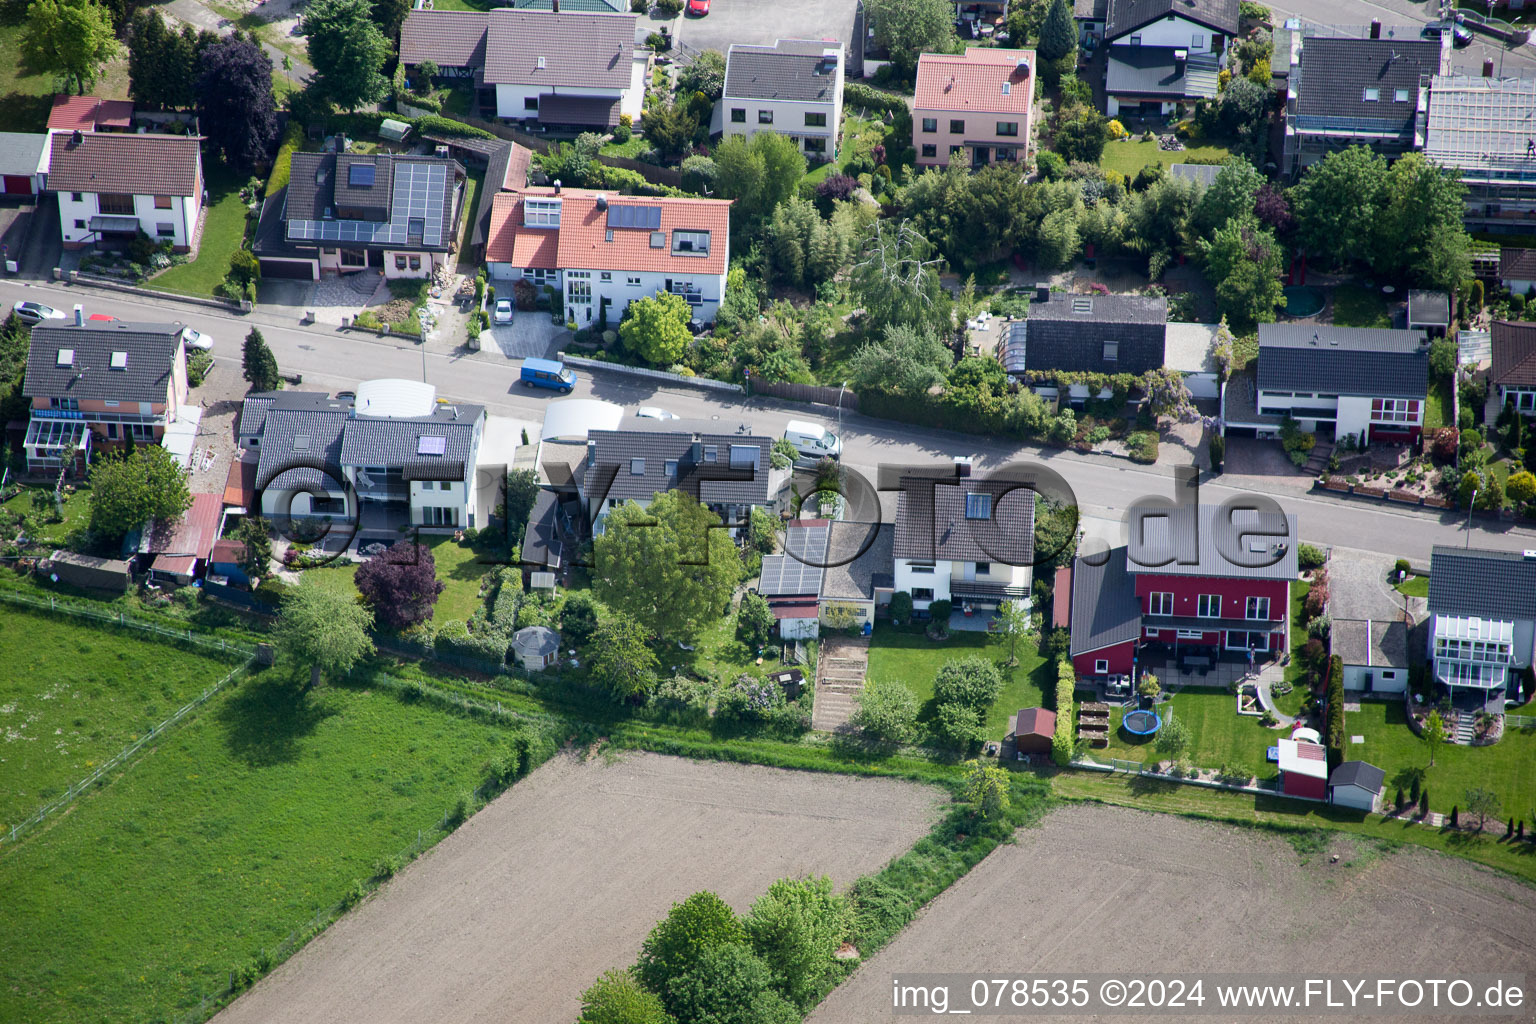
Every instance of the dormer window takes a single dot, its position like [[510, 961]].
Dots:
[[690, 243], [541, 213]]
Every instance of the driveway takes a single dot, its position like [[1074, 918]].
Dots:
[[1357, 585], [750, 21], [528, 335]]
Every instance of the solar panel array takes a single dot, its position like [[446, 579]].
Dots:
[[419, 193], [800, 570], [645, 218]]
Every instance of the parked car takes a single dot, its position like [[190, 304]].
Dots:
[[35, 312], [698, 8], [197, 339], [547, 373], [503, 313], [651, 412], [1460, 34]]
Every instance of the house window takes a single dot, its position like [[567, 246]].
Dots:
[[929, 150], [444, 485], [162, 202], [1190, 634], [1197, 41], [978, 506], [1005, 154], [432, 515], [415, 262], [1394, 410], [955, 150], [580, 289], [1209, 606], [531, 103], [956, 126], [815, 145], [930, 124], [81, 224], [925, 568], [541, 213], [1159, 604], [77, 197], [1111, 351], [637, 467], [922, 593], [632, 280], [1005, 128], [71, 404], [983, 568], [738, 115], [1400, 96], [1136, 40], [765, 117], [671, 468], [815, 120], [115, 204], [1101, 666], [606, 275], [399, 261], [112, 431], [1258, 608], [165, 230], [1372, 95]]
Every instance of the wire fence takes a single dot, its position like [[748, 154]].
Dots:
[[188, 636]]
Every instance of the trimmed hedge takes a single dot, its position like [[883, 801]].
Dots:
[[1062, 742], [509, 593], [1334, 734], [293, 138], [454, 637], [448, 126]]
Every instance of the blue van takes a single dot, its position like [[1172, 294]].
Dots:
[[546, 373]]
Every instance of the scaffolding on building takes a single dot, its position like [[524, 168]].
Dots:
[[1485, 129]]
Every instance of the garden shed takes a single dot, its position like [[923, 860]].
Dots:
[[1032, 731], [1356, 784], [1303, 769], [536, 647], [89, 572]]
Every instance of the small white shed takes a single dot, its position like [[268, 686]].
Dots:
[[536, 647], [1374, 653], [1356, 784]]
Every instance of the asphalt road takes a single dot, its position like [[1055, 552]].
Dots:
[[1105, 487]]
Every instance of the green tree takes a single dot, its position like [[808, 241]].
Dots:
[[796, 928], [1230, 195], [1482, 804], [1080, 134], [131, 489], [389, 15], [324, 628], [347, 50], [985, 788], [1058, 34], [972, 682], [578, 618], [896, 279], [758, 173], [668, 564], [886, 711], [1011, 626], [912, 27], [521, 493], [259, 365], [754, 620], [803, 249], [1337, 204], [957, 726], [1244, 261], [656, 328], [706, 74], [70, 38], [1057, 241], [622, 659], [728, 985], [1433, 734], [618, 998], [907, 361], [255, 534], [1173, 737], [1419, 233], [669, 127], [149, 42], [695, 926], [1521, 487]]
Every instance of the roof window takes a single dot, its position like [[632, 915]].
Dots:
[[1082, 305], [978, 506], [301, 442], [430, 445], [66, 357], [637, 467], [119, 360], [1372, 95]]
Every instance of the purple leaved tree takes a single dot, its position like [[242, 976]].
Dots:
[[401, 584]]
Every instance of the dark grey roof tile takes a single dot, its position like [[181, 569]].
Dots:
[[1369, 361], [1486, 584], [150, 351]]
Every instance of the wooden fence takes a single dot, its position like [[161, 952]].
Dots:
[[809, 393]]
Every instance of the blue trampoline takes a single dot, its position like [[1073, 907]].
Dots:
[[1141, 723]]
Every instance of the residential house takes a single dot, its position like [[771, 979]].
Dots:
[[89, 114], [1164, 53], [794, 88], [1087, 333], [345, 212], [393, 456], [536, 648], [1033, 730], [1512, 374], [573, 69], [94, 384], [600, 252], [831, 572], [974, 108], [1090, 16], [1208, 576], [1517, 270], [1363, 382], [1303, 769], [23, 163], [113, 187], [1356, 784], [1479, 129], [1346, 91], [964, 540], [1482, 634], [728, 473], [1429, 311], [1374, 653], [177, 551]]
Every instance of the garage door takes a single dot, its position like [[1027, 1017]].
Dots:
[[1202, 385], [302, 269], [18, 185]]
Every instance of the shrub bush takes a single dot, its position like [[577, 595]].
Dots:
[[901, 607], [454, 638], [1063, 741], [1143, 446], [1218, 450], [1401, 567], [1310, 556], [973, 682], [939, 611]]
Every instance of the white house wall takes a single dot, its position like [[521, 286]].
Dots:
[[937, 580], [75, 218], [511, 99], [1351, 796], [622, 288], [1383, 680], [788, 120], [1175, 31]]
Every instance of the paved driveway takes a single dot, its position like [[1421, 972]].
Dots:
[[529, 334], [1357, 585], [760, 22]]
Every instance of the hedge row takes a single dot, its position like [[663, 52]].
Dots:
[[1062, 742], [293, 138], [1334, 734]]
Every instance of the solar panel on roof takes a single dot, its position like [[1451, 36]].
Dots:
[[431, 445], [645, 218], [360, 175]]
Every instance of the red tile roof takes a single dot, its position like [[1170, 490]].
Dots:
[[194, 533], [88, 113], [582, 242], [1035, 722], [974, 82], [141, 165], [1061, 598]]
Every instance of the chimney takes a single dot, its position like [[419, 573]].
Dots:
[[557, 186], [79, 315], [1042, 292], [696, 450], [1021, 68], [555, 7], [77, 138], [963, 465], [1487, 67], [591, 453], [602, 201], [1375, 28]]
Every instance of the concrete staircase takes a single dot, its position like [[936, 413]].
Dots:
[[1461, 728], [840, 667], [1317, 459]]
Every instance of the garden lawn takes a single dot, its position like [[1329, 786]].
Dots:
[[77, 514], [73, 693], [631, 150], [1413, 586], [223, 231], [1129, 157], [860, 135], [1437, 407], [1290, 703], [462, 569], [1507, 768], [1355, 306], [913, 660], [234, 831], [471, 199], [1218, 735]]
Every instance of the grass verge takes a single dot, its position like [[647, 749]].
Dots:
[[223, 231]]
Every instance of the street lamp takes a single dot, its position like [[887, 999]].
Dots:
[[840, 411], [1472, 505]]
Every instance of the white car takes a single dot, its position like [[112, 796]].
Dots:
[[197, 339], [651, 412], [35, 312], [503, 314]]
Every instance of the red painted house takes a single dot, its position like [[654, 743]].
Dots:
[[1216, 576]]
